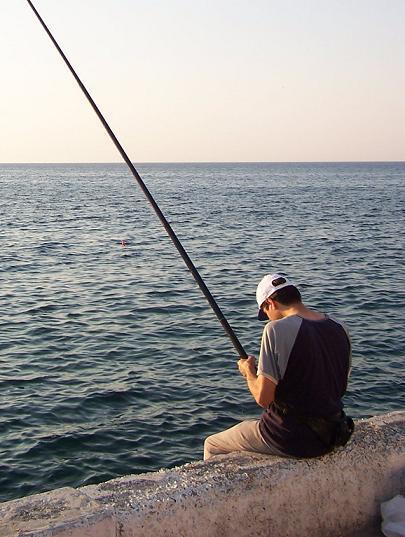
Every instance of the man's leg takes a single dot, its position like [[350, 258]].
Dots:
[[244, 436]]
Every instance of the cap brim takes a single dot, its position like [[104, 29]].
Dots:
[[262, 316]]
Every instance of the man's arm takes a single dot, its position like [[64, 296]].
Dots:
[[261, 387]]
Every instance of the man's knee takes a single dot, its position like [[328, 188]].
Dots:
[[208, 447], [217, 444]]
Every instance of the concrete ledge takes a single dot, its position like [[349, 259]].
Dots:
[[231, 496]]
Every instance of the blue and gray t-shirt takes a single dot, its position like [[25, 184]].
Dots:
[[309, 361]]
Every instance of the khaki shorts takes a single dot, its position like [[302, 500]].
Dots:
[[244, 436]]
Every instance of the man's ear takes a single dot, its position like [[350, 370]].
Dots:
[[274, 304]]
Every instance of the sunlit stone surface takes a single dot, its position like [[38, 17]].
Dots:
[[239, 495]]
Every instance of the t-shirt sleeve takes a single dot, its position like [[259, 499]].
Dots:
[[268, 365]]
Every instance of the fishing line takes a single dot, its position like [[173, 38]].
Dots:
[[226, 326]]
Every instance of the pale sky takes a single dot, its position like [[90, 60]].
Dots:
[[204, 80]]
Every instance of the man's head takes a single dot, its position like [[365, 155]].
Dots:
[[273, 293]]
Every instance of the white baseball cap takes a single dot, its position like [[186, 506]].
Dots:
[[268, 285]]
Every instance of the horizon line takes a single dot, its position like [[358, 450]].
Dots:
[[214, 162]]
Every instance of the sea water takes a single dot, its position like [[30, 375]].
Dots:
[[113, 363]]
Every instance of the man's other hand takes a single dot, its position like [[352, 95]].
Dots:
[[247, 367]]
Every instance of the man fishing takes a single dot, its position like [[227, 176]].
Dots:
[[301, 377]]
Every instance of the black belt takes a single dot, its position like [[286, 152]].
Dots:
[[334, 430]]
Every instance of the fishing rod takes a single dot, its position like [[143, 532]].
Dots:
[[226, 326]]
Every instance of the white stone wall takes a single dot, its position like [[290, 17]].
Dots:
[[231, 496]]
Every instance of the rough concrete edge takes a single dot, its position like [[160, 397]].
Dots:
[[174, 482], [148, 503], [67, 528], [60, 509], [163, 488], [146, 497]]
